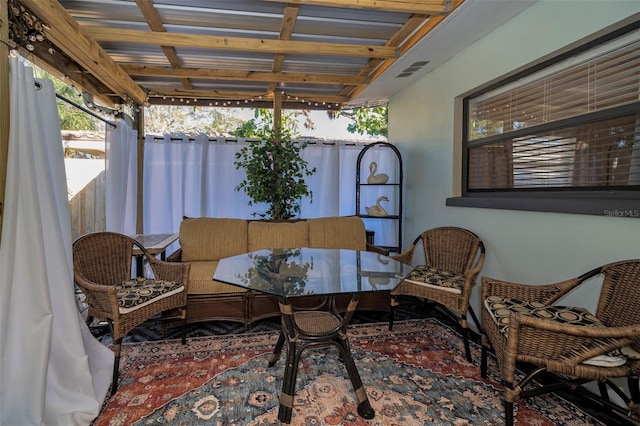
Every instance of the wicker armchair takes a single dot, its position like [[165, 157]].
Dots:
[[522, 324], [453, 259], [102, 270]]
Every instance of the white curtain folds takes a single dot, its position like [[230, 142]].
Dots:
[[52, 371], [121, 178], [196, 176]]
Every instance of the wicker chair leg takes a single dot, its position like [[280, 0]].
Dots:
[[604, 392], [117, 346], [392, 312], [184, 328], [634, 389], [467, 347], [508, 413], [483, 362]]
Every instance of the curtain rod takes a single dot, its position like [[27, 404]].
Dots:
[[84, 109], [80, 107]]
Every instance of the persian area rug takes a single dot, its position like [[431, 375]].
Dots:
[[414, 375]]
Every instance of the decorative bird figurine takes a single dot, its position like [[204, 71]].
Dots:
[[377, 210], [373, 177]]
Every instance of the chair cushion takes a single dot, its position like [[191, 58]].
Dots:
[[136, 293], [436, 278], [268, 235], [500, 309], [339, 232], [201, 280], [208, 238]]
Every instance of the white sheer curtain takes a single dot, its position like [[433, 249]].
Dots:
[[52, 371], [196, 176], [121, 178]]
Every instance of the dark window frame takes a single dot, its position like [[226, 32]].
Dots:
[[613, 202]]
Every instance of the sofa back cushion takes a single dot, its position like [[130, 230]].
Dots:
[[208, 238], [340, 232], [267, 235]]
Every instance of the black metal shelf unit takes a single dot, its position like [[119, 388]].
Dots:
[[394, 194]]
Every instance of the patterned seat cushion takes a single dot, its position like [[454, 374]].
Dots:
[[436, 278], [139, 292], [501, 308]]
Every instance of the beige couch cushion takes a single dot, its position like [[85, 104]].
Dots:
[[266, 235], [206, 238], [340, 232], [201, 279]]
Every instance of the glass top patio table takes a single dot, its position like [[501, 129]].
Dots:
[[296, 272]]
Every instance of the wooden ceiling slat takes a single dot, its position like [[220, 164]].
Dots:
[[289, 18], [239, 43], [155, 23], [270, 77], [429, 7], [109, 77], [65, 31]]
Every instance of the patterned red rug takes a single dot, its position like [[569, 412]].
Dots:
[[415, 375]]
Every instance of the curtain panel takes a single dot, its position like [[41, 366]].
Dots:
[[195, 176], [52, 370]]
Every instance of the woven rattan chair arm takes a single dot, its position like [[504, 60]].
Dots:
[[406, 256], [478, 266], [519, 320], [103, 297], [546, 294], [176, 256], [573, 344], [376, 249], [170, 271]]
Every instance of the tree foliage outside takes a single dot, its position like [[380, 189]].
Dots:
[[365, 121], [163, 119], [274, 170], [71, 118]]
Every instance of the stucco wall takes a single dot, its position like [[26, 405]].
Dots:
[[522, 246]]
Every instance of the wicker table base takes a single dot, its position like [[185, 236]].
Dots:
[[318, 326]]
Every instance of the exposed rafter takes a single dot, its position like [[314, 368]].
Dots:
[[429, 7], [65, 31], [155, 23], [324, 52], [239, 43], [270, 77]]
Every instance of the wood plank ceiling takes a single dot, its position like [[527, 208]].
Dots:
[[319, 54]]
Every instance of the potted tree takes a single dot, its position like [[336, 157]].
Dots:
[[275, 172]]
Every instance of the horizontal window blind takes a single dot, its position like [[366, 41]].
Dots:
[[553, 94], [572, 125], [589, 156]]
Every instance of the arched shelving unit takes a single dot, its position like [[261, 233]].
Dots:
[[367, 193]]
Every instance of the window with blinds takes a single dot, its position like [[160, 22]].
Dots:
[[569, 124]]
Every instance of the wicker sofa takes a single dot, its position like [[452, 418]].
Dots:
[[204, 241]]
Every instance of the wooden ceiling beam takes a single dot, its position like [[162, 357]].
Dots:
[[155, 23], [218, 74], [64, 31], [428, 7], [289, 18], [239, 43]]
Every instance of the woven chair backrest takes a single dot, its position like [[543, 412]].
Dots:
[[619, 303], [451, 248], [103, 257]]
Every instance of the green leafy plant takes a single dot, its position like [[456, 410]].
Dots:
[[372, 121], [275, 172]]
